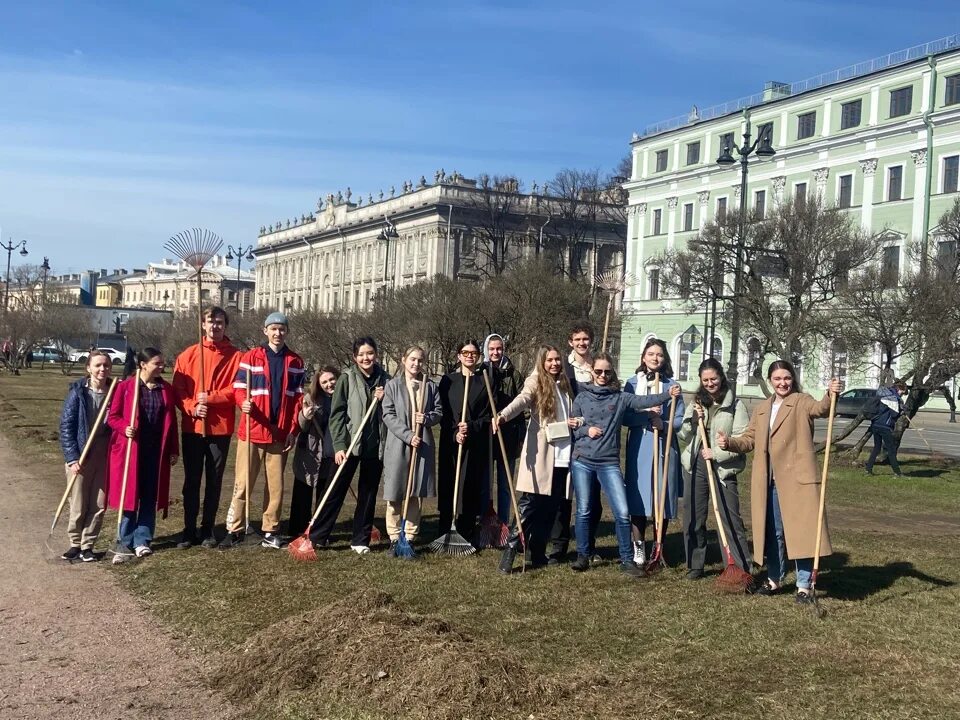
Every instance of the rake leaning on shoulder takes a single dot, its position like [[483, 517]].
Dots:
[[784, 483], [402, 412], [543, 473], [596, 456]]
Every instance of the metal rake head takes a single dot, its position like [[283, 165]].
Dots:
[[195, 246], [615, 281]]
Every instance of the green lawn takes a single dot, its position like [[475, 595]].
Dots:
[[453, 639]]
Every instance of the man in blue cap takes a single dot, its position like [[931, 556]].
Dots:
[[269, 389]]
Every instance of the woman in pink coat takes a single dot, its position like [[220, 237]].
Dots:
[[153, 452]]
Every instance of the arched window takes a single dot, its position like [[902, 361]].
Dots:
[[754, 358], [716, 349]]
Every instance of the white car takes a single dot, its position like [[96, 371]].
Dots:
[[116, 357]]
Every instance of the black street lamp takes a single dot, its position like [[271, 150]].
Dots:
[[239, 252], [10, 247], [762, 148], [388, 231]]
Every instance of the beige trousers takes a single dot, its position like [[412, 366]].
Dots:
[[274, 460], [88, 499], [394, 510]]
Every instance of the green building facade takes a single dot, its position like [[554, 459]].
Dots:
[[881, 138]]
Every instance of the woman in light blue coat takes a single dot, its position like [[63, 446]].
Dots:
[[654, 360]]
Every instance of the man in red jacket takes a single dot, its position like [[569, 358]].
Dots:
[[209, 419], [272, 402]]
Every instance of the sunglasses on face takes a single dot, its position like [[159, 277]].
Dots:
[[469, 353], [603, 373]]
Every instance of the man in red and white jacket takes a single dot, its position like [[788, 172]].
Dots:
[[271, 398]]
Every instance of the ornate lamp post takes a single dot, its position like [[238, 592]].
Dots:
[[241, 254], [762, 148], [10, 247]]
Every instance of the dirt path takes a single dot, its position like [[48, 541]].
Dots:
[[72, 643]]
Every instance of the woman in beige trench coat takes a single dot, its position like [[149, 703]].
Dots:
[[785, 483], [544, 463]]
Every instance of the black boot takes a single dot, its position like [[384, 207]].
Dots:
[[506, 560]]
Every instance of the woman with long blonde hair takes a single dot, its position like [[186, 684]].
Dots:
[[544, 467]]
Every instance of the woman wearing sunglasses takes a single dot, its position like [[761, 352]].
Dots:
[[599, 409], [472, 433]]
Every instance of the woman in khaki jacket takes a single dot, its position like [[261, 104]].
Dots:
[[784, 490], [544, 464]]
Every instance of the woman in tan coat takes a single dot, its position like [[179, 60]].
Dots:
[[784, 492], [544, 465]]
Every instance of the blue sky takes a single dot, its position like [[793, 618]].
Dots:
[[125, 122]]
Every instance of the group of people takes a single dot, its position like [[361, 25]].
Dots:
[[559, 438]]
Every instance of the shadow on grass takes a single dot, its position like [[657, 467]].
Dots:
[[858, 582]]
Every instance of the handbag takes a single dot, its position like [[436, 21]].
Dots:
[[557, 431]]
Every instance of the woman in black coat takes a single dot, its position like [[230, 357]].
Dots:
[[473, 434]]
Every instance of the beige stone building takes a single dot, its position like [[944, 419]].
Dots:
[[170, 285], [352, 247]]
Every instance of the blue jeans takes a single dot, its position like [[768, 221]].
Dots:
[[137, 526], [610, 477], [775, 546]]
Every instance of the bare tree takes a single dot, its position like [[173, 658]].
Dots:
[[797, 260], [496, 214]]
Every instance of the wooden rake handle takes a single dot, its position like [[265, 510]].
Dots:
[[456, 477], [712, 482], [126, 461], [666, 469], [823, 485], [417, 427], [336, 476], [506, 462]]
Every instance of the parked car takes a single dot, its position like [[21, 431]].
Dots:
[[48, 354], [852, 401], [116, 356]]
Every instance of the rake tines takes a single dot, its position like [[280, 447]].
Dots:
[[452, 543], [195, 246], [493, 532]]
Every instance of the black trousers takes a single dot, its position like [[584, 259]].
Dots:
[[473, 476], [560, 535], [367, 487], [202, 454], [696, 507], [883, 437], [538, 514], [304, 499]]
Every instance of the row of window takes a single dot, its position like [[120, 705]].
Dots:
[[945, 263], [851, 115], [894, 191]]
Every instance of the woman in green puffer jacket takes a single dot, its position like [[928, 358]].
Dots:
[[721, 411]]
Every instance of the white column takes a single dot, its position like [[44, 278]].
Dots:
[[640, 221], [671, 220], [703, 200], [919, 178], [869, 169], [827, 117]]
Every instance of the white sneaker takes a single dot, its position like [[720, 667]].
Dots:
[[142, 551], [639, 553], [360, 549]]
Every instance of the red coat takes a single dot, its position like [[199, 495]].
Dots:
[[118, 418]]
